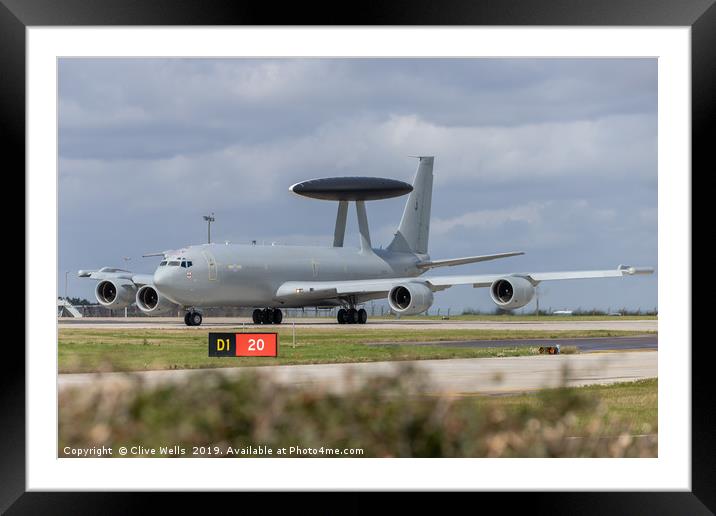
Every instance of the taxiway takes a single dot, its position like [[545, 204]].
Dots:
[[320, 323], [450, 376], [584, 345]]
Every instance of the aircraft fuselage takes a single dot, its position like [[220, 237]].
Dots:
[[249, 275]]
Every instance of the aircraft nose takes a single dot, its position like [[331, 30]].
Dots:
[[161, 278]]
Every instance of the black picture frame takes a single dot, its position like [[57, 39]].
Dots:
[[699, 15]]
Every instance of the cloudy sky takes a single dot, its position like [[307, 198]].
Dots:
[[554, 157]]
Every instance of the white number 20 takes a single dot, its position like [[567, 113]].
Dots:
[[255, 344]]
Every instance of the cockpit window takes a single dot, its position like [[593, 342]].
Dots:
[[173, 264], [163, 263], [183, 264], [188, 263]]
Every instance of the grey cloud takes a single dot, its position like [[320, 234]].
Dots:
[[253, 100], [559, 155]]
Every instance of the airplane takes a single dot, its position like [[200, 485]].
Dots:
[[271, 277]]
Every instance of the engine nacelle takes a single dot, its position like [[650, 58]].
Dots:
[[410, 299], [511, 292], [152, 302], [115, 293]]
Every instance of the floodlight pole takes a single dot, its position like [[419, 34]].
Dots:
[[126, 260], [209, 219], [66, 273]]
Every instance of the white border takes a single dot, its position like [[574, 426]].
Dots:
[[671, 470]]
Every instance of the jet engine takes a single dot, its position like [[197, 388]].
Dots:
[[115, 293], [152, 302], [512, 292], [410, 299]]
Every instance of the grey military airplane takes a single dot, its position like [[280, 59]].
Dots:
[[268, 278]]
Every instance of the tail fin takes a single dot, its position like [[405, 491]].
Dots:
[[414, 229]]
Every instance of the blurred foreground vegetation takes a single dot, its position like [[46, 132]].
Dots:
[[388, 417]]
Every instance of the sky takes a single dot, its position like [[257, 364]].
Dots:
[[553, 157]]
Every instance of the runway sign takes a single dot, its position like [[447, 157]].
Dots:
[[243, 344]]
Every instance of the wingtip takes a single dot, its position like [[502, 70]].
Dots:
[[631, 270]]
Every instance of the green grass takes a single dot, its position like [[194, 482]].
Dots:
[[85, 350], [632, 403], [523, 317]]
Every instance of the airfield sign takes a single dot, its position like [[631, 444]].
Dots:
[[243, 344]]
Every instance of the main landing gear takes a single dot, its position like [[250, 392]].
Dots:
[[192, 318], [268, 316], [352, 316]]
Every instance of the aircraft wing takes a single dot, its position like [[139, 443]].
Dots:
[[106, 273], [306, 290]]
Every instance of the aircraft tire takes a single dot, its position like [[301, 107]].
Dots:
[[186, 319], [195, 318], [362, 316], [352, 316], [277, 316], [266, 316], [256, 316], [341, 316]]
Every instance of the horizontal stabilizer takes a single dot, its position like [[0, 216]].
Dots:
[[468, 259]]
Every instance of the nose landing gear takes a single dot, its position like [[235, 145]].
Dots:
[[267, 316], [192, 318]]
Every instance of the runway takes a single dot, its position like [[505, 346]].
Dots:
[[585, 345], [214, 323], [450, 376]]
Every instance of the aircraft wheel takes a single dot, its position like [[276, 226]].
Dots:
[[268, 317], [352, 316], [195, 318], [186, 319], [277, 316], [341, 316], [256, 316], [362, 316]]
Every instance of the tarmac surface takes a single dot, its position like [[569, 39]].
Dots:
[[450, 376], [584, 345], [329, 324]]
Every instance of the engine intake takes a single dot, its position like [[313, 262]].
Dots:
[[152, 302], [511, 293], [118, 293], [410, 299]]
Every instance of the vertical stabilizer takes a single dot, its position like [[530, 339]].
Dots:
[[414, 229]]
